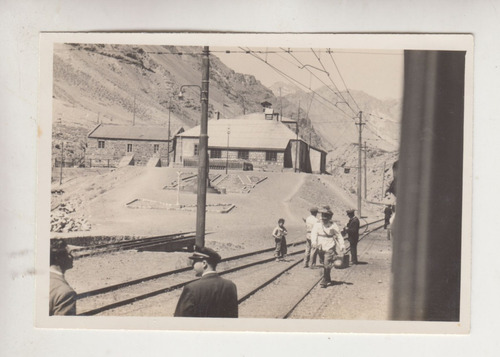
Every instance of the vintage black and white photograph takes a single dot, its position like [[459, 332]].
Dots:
[[255, 182]]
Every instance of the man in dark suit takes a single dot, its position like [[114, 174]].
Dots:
[[62, 296], [387, 215], [352, 229], [211, 295]]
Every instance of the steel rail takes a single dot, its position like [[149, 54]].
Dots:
[[104, 245], [177, 286], [246, 296], [289, 313], [110, 288], [171, 288], [134, 245]]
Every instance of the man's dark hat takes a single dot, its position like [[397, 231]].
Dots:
[[58, 246], [206, 254], [313, 209], [350, 211]]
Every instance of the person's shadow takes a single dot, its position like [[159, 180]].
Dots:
[[360, 263], [333, 283]]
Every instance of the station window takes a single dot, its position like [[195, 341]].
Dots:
[[215, 153], [243, 154], [100, 144], [156, 148], [271, 156], [129, 147]]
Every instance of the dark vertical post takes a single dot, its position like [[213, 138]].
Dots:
[[297, 139], [168, 132], [366, 149], [428, 229], [62, 163], [360, 144], [203, 158], [383, 182], [227, 148]]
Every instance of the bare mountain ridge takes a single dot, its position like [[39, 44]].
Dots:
[[333, 116], [124, 84]]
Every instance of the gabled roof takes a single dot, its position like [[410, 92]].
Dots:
[[248, 131], [129, 132]]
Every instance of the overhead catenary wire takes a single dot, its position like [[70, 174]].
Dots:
[[331, 80], [305, 66], [315, 95], [297, 82], [342, 78]]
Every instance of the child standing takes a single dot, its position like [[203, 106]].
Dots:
[[279, 234]]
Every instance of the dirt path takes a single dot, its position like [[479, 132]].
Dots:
[[348, 200], [287, 200]]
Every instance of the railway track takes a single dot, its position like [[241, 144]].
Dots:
[[316, 282], [172, 241], [239, 267]]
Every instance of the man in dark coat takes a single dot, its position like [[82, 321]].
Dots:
[[211, 295], [61, 297], [352, 229], [387, 215]]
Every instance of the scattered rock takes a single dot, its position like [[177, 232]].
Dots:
[[61, 221]]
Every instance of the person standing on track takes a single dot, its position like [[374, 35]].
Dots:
[[387, 215], [310, 252], [392, 190], [352, 230], [211, 295], [61, 297], [326, 236], [279, 234]]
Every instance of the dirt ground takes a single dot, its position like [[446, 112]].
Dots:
[[101, 197]]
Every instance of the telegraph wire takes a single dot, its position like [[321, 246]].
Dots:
[[296, 81], [342, 78], [331, 80], [326, 85]]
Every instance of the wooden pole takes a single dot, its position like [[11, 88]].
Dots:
[[203, 155]]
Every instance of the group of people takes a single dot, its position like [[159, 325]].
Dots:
[[212, 295], [324, 240]]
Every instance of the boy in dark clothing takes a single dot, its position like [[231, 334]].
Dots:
[[279, 234]]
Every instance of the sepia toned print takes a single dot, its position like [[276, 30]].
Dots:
[[165, 153]]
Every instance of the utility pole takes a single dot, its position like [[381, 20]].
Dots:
[[62, 163], [383, 179], [360, 144], [365, 169], [203, 158], [178, 186], [281, 106], [297, 140], [227, 148], [168, 131], [133, 117]]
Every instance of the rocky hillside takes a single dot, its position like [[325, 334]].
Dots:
[[126, 84]]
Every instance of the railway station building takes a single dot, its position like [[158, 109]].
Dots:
[[262, 141], [111, 145]]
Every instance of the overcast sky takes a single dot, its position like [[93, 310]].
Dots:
[[377, 72]]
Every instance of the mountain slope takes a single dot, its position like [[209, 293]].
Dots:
[[125, 84]]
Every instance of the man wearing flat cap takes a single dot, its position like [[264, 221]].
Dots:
[[211, 295], [62, 297], [326, 236], [352, 230]]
